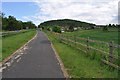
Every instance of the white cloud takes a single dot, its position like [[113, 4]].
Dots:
[[16, 0], [94, 11]]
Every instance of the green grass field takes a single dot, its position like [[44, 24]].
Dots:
[[78, 65], [14, 42], [98, 34]]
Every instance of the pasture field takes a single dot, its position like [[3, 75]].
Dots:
[[96, 34], [13, 42], [77, 64], [101, 38]]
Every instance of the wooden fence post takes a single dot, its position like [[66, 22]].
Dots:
[[111, 48], [60, 37], [67, 37], [87, 45], [75, 39]]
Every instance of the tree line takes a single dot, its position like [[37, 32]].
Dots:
[[11, 23], [110, 26], [69, 25], [66, 23]]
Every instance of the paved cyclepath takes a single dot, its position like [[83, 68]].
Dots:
[[38, 62]]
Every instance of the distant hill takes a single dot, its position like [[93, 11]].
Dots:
[[66, 23]]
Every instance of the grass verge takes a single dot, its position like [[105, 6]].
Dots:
[[14, 42], [78, 65]]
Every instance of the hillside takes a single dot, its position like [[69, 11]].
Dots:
[[66, 23]]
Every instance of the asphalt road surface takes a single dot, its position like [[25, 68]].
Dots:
[[38, 62]]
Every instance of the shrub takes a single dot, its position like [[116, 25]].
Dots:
[[48, 29], [71, 28], [105, 28], [56, 29]]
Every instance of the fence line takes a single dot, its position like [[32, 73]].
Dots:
[[104, 53], [107, 57]]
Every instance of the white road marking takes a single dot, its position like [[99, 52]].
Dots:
[[8, 64], [17, 56], [19, 59]]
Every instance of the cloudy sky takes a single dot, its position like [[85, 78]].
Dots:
[[37, 11]]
